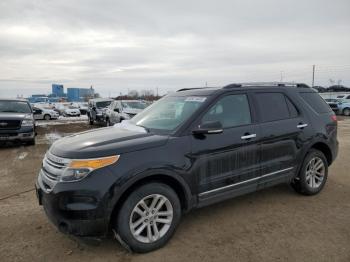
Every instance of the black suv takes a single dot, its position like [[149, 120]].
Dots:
[[16, 121], [189, 149]]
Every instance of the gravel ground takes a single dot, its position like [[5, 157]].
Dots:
[[271, 225]]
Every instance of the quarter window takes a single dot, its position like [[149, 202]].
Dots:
[[316, 102], [230, 111]]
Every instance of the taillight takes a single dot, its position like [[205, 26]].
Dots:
[[334, 118]]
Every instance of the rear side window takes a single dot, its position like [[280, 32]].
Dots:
[[273, 106], [316, 102]]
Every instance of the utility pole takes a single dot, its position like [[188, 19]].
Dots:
[[281, 78], [313, 75]]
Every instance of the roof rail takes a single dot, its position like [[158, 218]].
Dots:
[[190, 88], [268, 84]]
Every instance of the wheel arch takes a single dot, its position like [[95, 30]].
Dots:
[[325, 149], [174, 181]]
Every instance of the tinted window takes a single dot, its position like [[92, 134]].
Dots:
[[316, 102], [168, 113], [232, 110], [293, 111], [272, 106], [103, 104]]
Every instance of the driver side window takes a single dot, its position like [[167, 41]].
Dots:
[[230, 111]]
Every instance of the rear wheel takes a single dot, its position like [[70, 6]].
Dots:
[[47, 117], [346, 112], [313, 174], [148, 218]]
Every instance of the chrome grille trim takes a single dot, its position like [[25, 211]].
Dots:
[[53, 167]]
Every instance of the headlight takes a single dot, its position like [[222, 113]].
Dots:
[[79, 169], [27, 122]]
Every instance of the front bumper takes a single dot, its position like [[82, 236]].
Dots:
[[22, 134], [73, 210]]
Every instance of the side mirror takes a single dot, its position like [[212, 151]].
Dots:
[[212, 127], [116, 110]]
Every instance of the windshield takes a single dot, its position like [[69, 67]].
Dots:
[[103, 104], [14, 107], [134, 104], [168, 113]]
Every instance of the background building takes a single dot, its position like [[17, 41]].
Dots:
[[58, 90], [75, 94]]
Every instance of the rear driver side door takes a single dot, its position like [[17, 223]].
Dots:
[[283, 130]]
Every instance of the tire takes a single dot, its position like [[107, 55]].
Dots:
[[312, 184], [346, 111], [91, 122], [31, 142], [47, 117], [127, 215], [108, 122]]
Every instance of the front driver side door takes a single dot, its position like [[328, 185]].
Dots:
[[227, 164]]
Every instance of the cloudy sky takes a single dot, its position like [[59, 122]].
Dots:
[[136, 44]]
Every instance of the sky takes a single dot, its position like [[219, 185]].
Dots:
[[117, 46]]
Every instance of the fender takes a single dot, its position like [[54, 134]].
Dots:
[[116, 191]]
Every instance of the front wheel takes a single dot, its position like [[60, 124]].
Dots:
[[313, 174], [148, 217], [47, 117], [346, 112]]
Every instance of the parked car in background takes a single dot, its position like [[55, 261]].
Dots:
[[339, 106], [344, 108], [84, 108], [120, 110], [97, 109], [16, 121], [334, 104], [44, 114], [211, 144], [71, 111]]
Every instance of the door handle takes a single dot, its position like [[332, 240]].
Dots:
[[245, 137], [301, 126]]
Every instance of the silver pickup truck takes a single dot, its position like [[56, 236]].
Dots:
[[16, 121]]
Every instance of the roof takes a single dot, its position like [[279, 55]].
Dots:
[[205, 91]]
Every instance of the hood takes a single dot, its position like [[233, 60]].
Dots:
[[14, 116], [105, 142]]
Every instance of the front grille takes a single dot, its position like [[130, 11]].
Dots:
[[54, 166], [10, 124]]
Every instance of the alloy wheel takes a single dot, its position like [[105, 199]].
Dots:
[[315, 172], [151, 218]]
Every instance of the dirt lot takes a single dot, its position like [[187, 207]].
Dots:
[[271, 225]]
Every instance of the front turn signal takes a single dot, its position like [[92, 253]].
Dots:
[[94, 163]]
